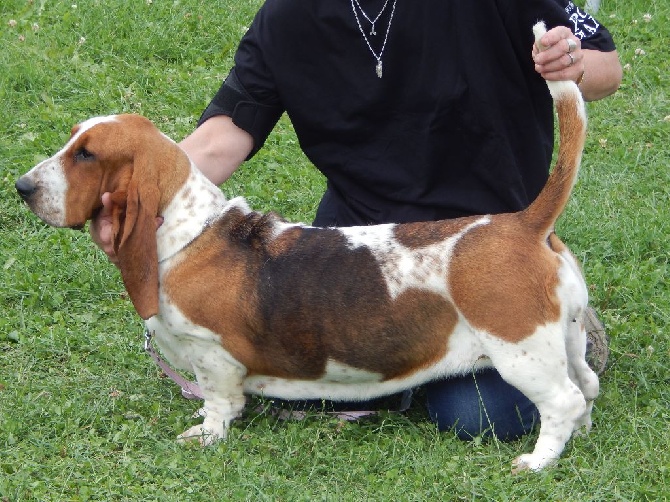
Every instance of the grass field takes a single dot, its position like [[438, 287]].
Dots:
[[83, 412]]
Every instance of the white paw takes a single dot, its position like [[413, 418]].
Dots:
[[530, 462], [199, 433]]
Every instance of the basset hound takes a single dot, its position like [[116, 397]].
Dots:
[[251, 303]]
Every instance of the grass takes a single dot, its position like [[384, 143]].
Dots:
[[83, 413]]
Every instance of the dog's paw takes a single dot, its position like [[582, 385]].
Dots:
[[200, 434], [530, 462], [583, 424], [199, 413]]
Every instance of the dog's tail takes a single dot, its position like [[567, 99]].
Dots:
[[550, 203]]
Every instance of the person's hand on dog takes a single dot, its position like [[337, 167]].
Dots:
[[101, 228], [560, 57]]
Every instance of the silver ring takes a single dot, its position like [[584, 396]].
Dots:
[[572, 45], [572, 59]]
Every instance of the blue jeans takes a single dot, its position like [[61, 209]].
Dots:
[[480, 404]]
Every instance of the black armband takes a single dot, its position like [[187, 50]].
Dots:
[[234, 101]]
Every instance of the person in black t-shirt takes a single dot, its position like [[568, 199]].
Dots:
[[413, 111]]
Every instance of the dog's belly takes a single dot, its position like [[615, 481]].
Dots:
[[346, 383]]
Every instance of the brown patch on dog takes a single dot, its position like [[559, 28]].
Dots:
[[399, 337], [259, 231], [213, 286], [417, 235], [255, 229], [558, 246], [284, 242], [505, 281], [543, 212], [285, 306]]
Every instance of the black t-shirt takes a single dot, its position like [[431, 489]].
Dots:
[[460, 123]]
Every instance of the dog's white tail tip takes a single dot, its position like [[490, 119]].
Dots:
[[539, 29]]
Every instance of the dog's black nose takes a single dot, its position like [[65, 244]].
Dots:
[[25, 187]]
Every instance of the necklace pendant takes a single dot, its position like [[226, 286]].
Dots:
[[378, 69], [372, 30]]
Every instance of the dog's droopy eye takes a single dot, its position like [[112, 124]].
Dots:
[[83, 155]]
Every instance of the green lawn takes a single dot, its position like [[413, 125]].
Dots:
[[83, 412]]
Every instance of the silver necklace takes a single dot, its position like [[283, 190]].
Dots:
[[372, 22], [378, 57]]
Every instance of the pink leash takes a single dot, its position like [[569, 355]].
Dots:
[[189, 389]]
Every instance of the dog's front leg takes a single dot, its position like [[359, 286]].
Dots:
[[221, 383]]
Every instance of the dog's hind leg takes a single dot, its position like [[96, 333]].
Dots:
[[579, 371], [575, 300], [538, 367]]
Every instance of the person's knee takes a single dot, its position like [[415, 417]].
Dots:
[[480, 405], [467, 429]]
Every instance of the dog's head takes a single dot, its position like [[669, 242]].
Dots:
[[127, 156], [102, 155]]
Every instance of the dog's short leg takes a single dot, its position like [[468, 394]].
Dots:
[[538, 367], [221, 385]]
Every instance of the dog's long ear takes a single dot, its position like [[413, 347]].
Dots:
[[135, 238]]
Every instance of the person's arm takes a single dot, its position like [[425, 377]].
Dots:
[[602, 74], [218, 147], [598, 73]]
